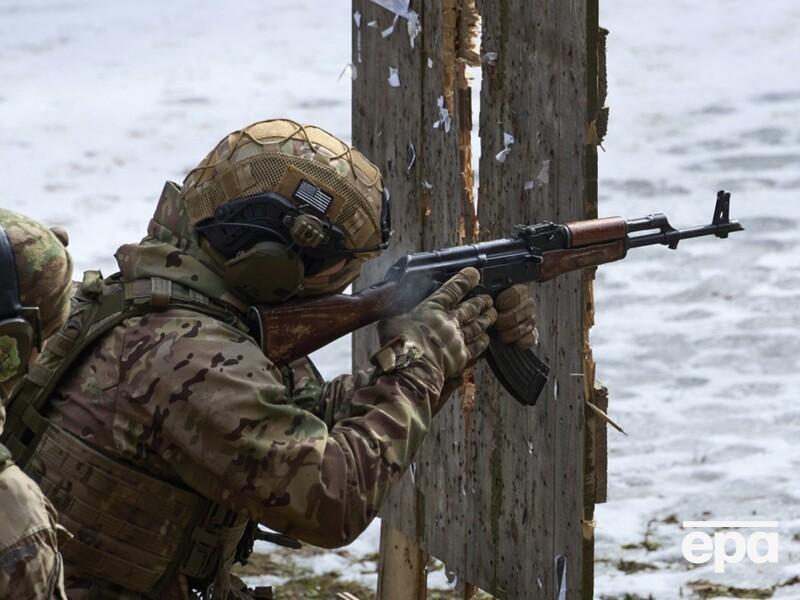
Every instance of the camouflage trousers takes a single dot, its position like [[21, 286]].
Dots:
[[30, 564]]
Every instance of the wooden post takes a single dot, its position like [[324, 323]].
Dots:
[[412, 116], [497, 491], [402, 573]]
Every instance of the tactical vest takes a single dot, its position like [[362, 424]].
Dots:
[[131, 529]]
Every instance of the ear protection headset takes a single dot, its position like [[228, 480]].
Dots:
[[271, 243], [17, 322]]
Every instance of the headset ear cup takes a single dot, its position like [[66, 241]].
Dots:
[[267, 272], [17, 340]]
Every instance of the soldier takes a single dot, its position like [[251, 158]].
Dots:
[[163, 432], [35, 288]]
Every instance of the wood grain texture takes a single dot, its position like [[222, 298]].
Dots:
[[535, 92], [497, 491], [402, 570], [595, 432], [563, 261], [583, 233], [431, 209]]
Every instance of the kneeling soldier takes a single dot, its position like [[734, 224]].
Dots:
[[162, 431]]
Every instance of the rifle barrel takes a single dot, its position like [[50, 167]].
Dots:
[[720, 226], [672, 237]]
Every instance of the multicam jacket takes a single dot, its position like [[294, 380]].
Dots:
[[191, 399], [30, 565]]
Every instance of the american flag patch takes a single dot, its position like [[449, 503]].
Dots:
[[313, 196]]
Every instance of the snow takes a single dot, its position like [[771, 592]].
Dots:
[[103, 101], [705, 377], [100, 102]]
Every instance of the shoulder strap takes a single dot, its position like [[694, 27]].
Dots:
[[99, 306]]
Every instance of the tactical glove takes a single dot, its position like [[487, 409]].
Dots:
[[516, 317], [449, 333]]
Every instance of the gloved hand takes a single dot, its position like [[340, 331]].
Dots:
[[516, 317], [450, 333]]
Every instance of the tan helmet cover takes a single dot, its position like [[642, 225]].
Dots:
[[275, 155]]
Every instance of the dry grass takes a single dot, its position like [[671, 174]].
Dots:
[[302, 583]]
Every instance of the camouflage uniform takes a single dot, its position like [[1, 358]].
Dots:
[[30, 564], [180, 396], [194, 400]]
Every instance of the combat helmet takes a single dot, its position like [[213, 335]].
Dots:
[[287, 210], [35, 288]]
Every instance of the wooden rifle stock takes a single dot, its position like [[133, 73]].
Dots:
[[558, 262], [297, 328]]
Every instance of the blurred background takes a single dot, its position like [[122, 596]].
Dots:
[[101, 102]]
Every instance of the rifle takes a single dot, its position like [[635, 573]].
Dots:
[[535, 253]]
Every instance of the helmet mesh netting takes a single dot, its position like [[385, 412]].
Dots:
[[269, 169]]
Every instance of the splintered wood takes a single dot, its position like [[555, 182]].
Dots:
[[497, 491]]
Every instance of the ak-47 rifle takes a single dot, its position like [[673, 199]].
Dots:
[[534, 253]]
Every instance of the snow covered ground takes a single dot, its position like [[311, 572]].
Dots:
[[102, 101], [700, 347]]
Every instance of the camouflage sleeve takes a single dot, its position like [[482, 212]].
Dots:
[[331, 400], [30, 564], [223, 420], [336, 397], [328, 400], [305, 386]]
